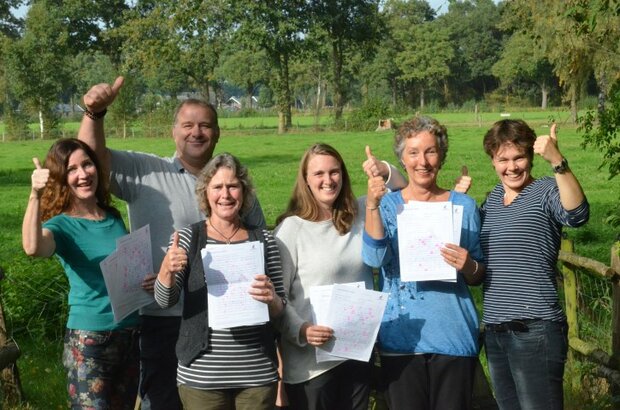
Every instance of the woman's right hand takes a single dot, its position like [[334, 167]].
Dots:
[[39, 178], [376, 184], [316, 335], [174, 261]]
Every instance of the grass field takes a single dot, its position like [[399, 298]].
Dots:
[[273, 161]]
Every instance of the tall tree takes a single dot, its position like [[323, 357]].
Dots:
[[521, 60], [9, 24], [346, 26], [477, 42], [245, 68], [278, 28], [187, 34], [37, 64]]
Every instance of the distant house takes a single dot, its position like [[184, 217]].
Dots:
[[234, 103], [67, 109]]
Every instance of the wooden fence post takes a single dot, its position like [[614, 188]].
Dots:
[[615, 321], [571, 303], [12, 392]]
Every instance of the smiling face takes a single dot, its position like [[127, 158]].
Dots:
[[513, 167], [421, 159], [82, 176], [225, 195], [324, 178], [195, 134]]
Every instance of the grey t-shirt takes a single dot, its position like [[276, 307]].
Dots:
[[159, 192]]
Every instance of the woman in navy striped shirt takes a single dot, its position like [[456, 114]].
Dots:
[[522, 218]]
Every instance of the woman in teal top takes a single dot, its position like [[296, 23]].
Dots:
[[81, 228]]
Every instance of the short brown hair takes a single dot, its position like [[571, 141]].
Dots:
[[515, 132]]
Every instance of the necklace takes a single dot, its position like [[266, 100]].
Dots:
[[226, 238]]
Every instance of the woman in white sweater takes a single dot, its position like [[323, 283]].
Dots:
[[320, 242]]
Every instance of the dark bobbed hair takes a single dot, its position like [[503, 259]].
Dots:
[[415, 126], [57, 197], [515, 132], [224, 160], [304, 205]]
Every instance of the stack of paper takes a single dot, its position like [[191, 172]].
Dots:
[[124, 270], [423, 229]]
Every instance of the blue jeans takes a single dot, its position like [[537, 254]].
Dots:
[[527, 368]]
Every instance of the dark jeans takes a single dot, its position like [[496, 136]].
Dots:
[[428, 381], [527, 368], [345, 387], [102, 368], [158, 363]]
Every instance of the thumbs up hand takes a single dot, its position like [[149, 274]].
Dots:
[[100, 96], [39, 178], [547, 146], [463, 182], [373, 167], [174, 261]]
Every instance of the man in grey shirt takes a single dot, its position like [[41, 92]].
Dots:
[[159, 192]]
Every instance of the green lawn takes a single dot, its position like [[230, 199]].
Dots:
[[273, 161]]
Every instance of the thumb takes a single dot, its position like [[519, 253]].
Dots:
[[175, 240], [118, 83], [369, 153], [464, 171], [36, 163], [553, 133]]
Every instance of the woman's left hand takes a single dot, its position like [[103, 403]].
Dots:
[[262, 289], [454, 255], [148, 283]]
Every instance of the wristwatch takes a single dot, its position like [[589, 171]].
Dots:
[[561, 168]]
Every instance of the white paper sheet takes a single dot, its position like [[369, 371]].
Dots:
[[124, 270], [320, 297], [229, 272], [355, 316], [423, 229]]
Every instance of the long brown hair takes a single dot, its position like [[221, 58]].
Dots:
[[57, 196], [304, 205]]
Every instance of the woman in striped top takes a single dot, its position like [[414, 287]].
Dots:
[[522, 219], [222, 368]]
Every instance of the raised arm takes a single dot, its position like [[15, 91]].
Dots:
[[37, 241], [392, 177], [96, 101], [571, 193]]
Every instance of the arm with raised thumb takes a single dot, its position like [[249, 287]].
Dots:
[[571, 193], [37, 241], [96, 100]]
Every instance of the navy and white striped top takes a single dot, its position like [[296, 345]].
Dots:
[[235, 357], [521, 242]]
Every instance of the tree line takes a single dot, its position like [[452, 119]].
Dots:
[[306, 53]]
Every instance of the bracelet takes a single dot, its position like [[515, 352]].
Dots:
[[372, 209], [95, 115], [477, 266], [389, 167]]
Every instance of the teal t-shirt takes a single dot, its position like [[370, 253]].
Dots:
[[81, 244]]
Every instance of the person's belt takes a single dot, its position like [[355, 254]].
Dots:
[[516, 325]]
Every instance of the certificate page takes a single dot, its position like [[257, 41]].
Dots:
[[355, 316], [229, 272], [423, 229], [124, 270]]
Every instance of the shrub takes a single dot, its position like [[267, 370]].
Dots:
[[368, 115]]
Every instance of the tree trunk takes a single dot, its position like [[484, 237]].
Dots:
[[573, 103], [41, 125], [421, 98], [545, 95], [339, 97]]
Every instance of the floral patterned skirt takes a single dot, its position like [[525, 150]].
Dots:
[[102, 368]]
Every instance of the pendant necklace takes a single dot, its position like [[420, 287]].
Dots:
[[226, 239]]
